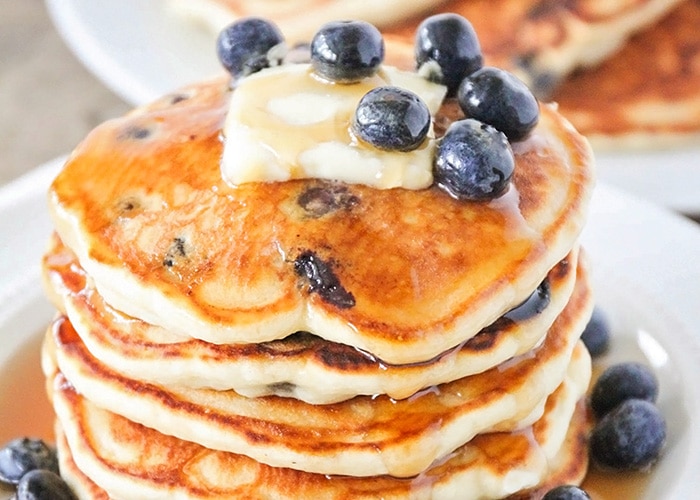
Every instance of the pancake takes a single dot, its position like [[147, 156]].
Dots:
[[142, 204], [364, 436], [545, 40], [298, 19], [302, 366], [102, 451], [645, 96]]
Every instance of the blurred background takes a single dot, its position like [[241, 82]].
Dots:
[[48, 100]]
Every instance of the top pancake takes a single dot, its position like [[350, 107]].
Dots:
[[402, 274]]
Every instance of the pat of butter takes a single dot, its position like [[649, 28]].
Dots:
[[287, 123]]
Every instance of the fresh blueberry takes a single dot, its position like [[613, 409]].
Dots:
[[391, 118], [43, 485], [630, 437], [566, 492], [621, 382], [22, 455], [596, 335], [243, 47], [347, 51], [447, 49], [499, 98], [473, 161]]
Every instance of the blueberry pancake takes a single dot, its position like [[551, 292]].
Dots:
[[301, 365], [329, 278], [102, 457], [142, 204], [298, 19]]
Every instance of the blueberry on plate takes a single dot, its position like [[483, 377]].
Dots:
[[630, 437], [596, 335], [347, 51], [499, 98], [447, 49], [391, 118], [621, 382], [566, 492], [473, 161], [22, 455], [244, 46], [43, 485]]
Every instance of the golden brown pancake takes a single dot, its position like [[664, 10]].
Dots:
[[648, 94], [364, 436], [101, 451], [547, 39], [302, 365], [408, 274]]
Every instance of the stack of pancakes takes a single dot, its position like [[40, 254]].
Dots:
[[312, 339]]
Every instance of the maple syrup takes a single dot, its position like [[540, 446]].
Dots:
[[24, 405]]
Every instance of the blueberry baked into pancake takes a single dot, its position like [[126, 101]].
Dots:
[[328, 279]]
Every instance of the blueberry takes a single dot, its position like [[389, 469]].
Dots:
[[43, 485], [323, 280], [243, 46], [347, 51], [621, 382], [566, 492], [391, 118], [596, 335], [630, 437], [449, 42], [22, 455], [499, 98], [473, 161]]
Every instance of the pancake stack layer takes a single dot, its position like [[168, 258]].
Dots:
[[308, 338]]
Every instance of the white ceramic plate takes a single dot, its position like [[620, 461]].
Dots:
[[141, 51], [646, 272]]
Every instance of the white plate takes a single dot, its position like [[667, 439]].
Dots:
[[141, 51], [646, 273]]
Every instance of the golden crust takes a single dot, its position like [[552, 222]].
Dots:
[[141, 201], [168, 466], [647, 94], [363, 436]]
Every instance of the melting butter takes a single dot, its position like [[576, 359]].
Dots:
[[287, 123]]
